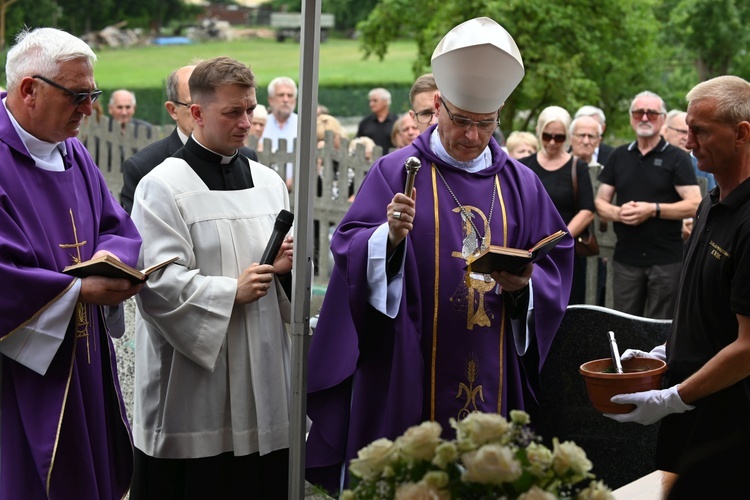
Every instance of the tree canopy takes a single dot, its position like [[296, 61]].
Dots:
[[81, 16], [575, 51], [579, 52]]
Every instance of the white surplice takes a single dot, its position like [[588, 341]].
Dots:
[[211, 376]]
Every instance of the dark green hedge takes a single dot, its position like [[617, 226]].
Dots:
[[341, 101]]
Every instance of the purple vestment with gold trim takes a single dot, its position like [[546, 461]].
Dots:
[[451, 349], [64, 434]]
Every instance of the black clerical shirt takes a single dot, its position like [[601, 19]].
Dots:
[[207, 165]]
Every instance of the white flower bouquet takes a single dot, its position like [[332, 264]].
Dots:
[[490, 458]]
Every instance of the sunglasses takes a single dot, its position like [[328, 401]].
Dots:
[[463, 122], [78, 97], [556, 137], [652, 114]]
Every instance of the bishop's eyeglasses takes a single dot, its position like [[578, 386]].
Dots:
[[463, 122]]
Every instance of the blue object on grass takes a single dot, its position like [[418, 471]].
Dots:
[[172, 40]]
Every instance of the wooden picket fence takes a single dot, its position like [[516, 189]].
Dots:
[[340, 175]]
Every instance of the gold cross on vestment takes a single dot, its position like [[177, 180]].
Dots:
[[82, 310], [77, 245]]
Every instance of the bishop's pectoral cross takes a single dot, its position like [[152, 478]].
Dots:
[[82, 310], [475, 283]]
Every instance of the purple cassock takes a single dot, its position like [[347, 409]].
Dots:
[[452, 348], [64, 433]]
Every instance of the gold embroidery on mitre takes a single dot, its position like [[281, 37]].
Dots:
[[471, 392], [82, 310]]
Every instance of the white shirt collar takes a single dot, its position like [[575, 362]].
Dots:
[[224, 159], [182, 136], [44, 153], [481, 162]]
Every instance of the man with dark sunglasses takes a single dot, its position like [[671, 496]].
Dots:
[[656, 188], [63, 430]]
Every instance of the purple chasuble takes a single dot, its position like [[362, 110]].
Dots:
[[451, 349], [64, 434]]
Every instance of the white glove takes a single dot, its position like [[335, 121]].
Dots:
[[659, 352], [651, 406]]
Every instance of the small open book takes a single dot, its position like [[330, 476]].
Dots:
[[513, 260], [110, 267]]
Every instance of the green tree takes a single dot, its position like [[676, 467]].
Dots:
[[83, 16], [713, 34], [348, 12], [575, 52], [151, 15], [28, 13], [4, 6]]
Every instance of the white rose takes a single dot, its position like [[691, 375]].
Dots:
[[419, 491], [568, 457], [419, 442], [480, 428], [520, 417], [445, 454], [372, 459], [536, 493], [491, 464], [540, 458], [437, 479], [596, 490]]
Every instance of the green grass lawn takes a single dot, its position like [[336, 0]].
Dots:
[[341, 62]]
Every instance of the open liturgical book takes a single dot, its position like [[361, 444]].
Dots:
[[110, 267], [513, 260]]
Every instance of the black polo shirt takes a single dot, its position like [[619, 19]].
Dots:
[[649, 178], [380, 132], [715, 282], [714, 288]]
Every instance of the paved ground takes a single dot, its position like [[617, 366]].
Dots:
[[125, 349]]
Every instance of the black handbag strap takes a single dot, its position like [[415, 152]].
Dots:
[[574, 179]]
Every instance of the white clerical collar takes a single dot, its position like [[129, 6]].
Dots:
[[45, 154], [481, 162], [224, 159], [182, 136]]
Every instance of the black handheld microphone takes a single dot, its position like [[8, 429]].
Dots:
[[280, 228]]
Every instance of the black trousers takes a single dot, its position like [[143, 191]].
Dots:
[[223, 477]]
